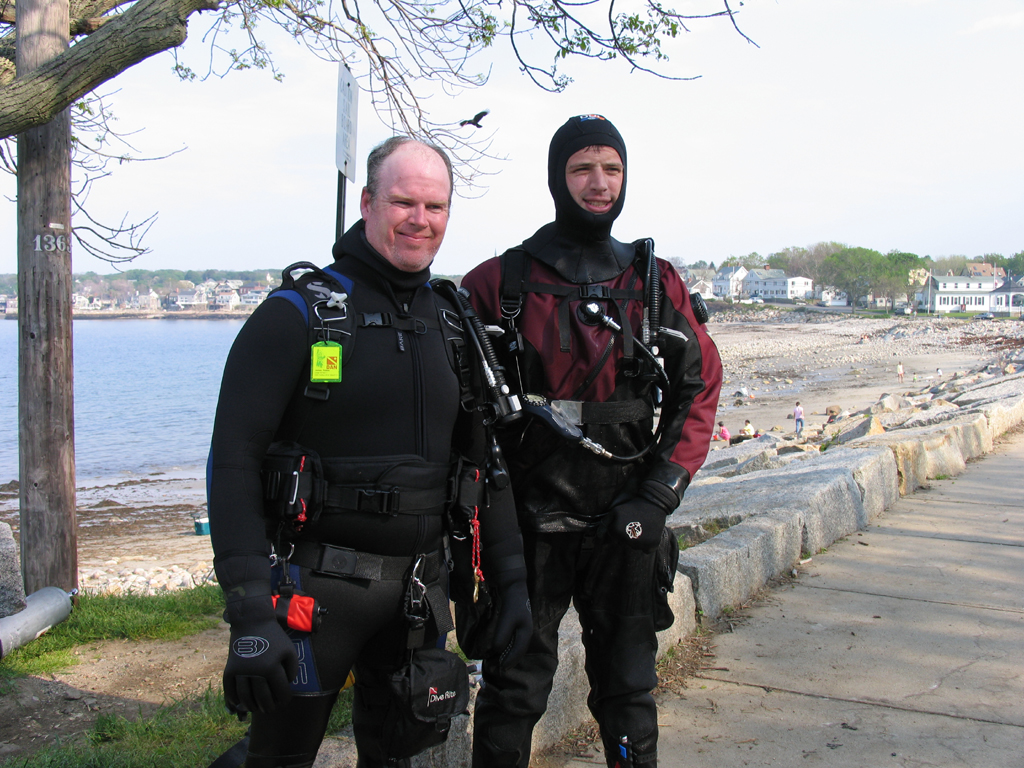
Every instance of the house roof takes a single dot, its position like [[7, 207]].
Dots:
[[767, 274], [982, 270]]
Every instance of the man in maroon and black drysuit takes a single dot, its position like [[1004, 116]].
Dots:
[[594, 527]]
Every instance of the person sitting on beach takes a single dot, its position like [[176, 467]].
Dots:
[[722, 433], [747, 432]]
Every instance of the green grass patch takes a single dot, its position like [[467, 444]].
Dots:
[[169, 616], [188, 733]]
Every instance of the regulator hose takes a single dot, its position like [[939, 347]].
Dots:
[[653, 291], [506, 404]]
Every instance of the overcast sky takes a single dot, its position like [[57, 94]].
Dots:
[[887, 124]]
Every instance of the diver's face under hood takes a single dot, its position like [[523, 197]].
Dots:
[[593, 177], [581, 136]]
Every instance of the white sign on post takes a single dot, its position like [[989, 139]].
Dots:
[[348, 112]]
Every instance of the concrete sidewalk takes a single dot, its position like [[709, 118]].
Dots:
[[902, 645]]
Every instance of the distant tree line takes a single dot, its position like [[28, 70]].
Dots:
[[860, 271], [121, 285]]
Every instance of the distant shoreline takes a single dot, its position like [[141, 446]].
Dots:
[[226, 314]]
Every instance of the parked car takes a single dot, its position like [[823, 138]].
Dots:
[[757, 299], [985, 316]]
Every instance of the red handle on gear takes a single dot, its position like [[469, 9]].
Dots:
[[304, 613]]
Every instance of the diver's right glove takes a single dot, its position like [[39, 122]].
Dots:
[[515, 621], [262, 660]]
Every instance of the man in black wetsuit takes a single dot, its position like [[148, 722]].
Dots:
[[386, 431], [593, 526]]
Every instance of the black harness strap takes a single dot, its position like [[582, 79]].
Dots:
[[388, 320], [387, 501]]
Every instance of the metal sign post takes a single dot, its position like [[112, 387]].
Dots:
[[345, 149]]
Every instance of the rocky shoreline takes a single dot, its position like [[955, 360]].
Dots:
[[138, 534]]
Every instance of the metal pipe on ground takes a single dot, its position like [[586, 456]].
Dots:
[[43, 609]]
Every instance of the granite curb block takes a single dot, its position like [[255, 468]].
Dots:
[[12, 589]]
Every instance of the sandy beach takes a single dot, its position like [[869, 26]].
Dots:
[[137, 533]]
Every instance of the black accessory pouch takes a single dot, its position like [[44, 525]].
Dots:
[[666, 560], [426, 694], [293, 485]]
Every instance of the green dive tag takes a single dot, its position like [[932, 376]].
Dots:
[[325, 362]]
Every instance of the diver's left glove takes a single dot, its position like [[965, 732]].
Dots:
[[262, 660], [515, 620], [640, 520]]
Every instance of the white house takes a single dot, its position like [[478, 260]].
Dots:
[[149, 302], [226, 297], [960, 293], [699, 285], [729, 282], [254, 296], [766, 283], [1008, 298], [189, 299], [799, 288]]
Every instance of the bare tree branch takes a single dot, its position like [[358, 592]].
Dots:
[[148, 27]]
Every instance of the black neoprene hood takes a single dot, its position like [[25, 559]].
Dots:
[[578, 133]]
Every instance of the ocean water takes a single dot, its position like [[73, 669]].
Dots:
[[145, 396]]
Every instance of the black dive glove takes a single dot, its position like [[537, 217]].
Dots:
[[514, 626], [640, 520], [261, 660]]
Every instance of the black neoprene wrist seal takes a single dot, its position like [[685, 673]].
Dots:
[[660, 494]]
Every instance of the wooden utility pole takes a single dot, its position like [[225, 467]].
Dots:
[[46, 436]]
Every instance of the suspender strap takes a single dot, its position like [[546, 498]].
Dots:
[[515, 266]]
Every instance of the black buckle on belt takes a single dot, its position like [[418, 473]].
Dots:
[[337, 561], [381, 319], [595, 292], [382, 500]]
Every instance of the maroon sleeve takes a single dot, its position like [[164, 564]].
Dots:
[[694, 368]]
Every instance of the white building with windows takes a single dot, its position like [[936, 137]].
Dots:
[[766, 283], [728, 281], [960, 293], [254, 296], [226, 297]]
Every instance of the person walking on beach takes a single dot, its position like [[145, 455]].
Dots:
[[899, 371], [328, 494], [798, 418], [573, 300]]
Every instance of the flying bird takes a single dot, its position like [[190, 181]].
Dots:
[[475, 121]]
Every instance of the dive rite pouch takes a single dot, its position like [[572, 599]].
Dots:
[[426, 694]]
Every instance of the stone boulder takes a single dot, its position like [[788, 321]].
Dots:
[[12, 586]]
